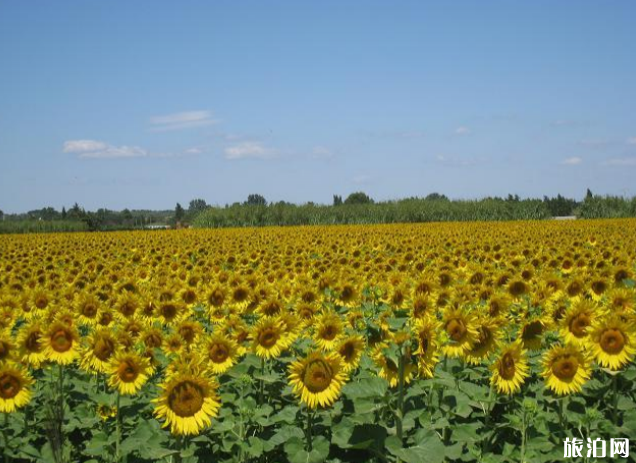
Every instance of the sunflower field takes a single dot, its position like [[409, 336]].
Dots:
[[453, 342]]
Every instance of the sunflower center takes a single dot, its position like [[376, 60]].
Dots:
[[4, 350], [32, 342], [103, 349], [612, 341], [169, 311], [9, 386], [268, 338], [61, 341], [532, 330], [41, 302], [485, 336], [216, 298], [219, 353], [456, 329], [240, 295], [579, 324], [128, 372], [507, 367], [318, 376], [89, 310], [565, 367], [329, 332], [348, 351], [186, 399]]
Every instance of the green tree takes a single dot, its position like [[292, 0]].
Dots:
[[358, 198], [256, 200], [179, 212], [337, 200], [436, 197], [196, 206]]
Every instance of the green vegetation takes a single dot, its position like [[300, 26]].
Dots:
[[607, 207], [351, 212]]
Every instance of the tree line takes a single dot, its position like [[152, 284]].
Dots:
[[357, 207]]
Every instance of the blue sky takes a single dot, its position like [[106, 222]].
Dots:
[[144, 103]]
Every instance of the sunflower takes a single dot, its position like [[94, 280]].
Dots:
[[565, 369], [389, 370], [98, 351], [318, 378], [426, 331], [87, 308], [422, 306], [577, 319], [222, 353], [128, 372], [269, 338], [350, 350], [329, 330], [459, 332], [612, 343], [510, 369], [532, 331], [187, 403], [14, 387], [7, 348], [30, 345], [61, 343], [489, 335]]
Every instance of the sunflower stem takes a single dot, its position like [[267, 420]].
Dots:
[[118, 430], [261, 393], [60, 404], [615, 400], [5, 438], [400, 398], [308, 434]]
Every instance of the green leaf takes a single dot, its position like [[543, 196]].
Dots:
[[371, 387], [346, 435], [466, 432], [296, 452], [429, 449]]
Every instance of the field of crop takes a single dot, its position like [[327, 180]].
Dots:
[[489, 342]]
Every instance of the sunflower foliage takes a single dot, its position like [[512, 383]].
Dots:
[[399, 343]]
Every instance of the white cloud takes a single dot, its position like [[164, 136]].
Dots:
[[462, 131], [182, 120], [573, 161], [457, 161], [621, 162], [595, 142], [248, 150], [631, 141], [320, 152], [93, 149], [83, 146]]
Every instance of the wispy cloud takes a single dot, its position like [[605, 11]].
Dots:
[[595, 142], [631, 141], [462, 130], [573, 161], [84, 146], [320, 152], [98, 149], [397, 134], [182, 120], [620, 162], [459, 162], [95, 149], [249, 150]]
